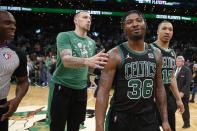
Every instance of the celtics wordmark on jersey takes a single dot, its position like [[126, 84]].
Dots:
[[136, 70]]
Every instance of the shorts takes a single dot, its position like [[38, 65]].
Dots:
[[123, 121]]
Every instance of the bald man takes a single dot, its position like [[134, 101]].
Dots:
[[12, 62], [68, 92]]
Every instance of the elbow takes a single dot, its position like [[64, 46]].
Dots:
[[26, 85], [64, 64], [65, 61]]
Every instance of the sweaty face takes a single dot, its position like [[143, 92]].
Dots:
[[165, 32], [7, 26], [134, 27], [83, 21]]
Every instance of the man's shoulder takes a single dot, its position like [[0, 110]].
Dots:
[[21, 54], [123, 44], [171, 49], [65, 33], [153, 44], [118, 49], [90, 39], [186, 67], [14, 48]]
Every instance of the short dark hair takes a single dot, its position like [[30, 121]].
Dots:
[[164, 21], [131, 12]]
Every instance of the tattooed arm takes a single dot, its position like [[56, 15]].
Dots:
[[176, 94], [96, 61], [105, 84], [160, 93]]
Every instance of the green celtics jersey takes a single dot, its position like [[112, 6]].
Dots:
[[75, 78], [168, 64]]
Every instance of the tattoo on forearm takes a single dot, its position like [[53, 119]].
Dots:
[[69, 61]]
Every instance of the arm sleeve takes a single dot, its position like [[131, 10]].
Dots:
[[63, 41]]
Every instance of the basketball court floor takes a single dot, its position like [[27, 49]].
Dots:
[[31, 114]]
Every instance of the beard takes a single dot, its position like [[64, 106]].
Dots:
[[136, 37], [86, 29]]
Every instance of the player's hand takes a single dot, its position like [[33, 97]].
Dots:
[[12, 106], [180, 106], [166, 126], [98, 61]]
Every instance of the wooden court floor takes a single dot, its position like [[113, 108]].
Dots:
[[37, 96]]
